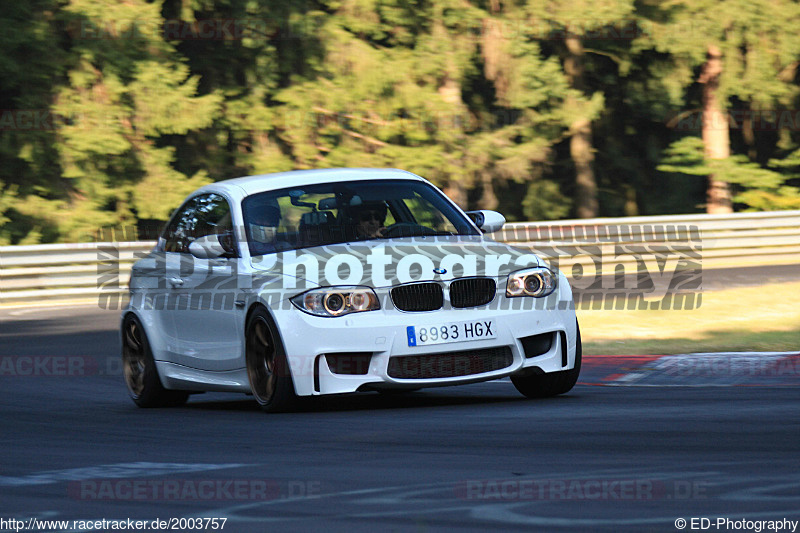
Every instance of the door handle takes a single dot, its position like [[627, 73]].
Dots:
[[175, 282]]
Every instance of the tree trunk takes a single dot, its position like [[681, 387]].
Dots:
[[749, 135], [716, 137], [580, 145], [455, 191], [488, 197], [580, 148]]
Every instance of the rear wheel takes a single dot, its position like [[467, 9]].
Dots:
[[267, 367], [139, 369], [554, 383]]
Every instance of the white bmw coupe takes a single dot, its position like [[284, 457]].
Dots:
[[335, 281]]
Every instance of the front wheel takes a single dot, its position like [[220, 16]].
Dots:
[[139, 369], [267, 367], [554, 383]]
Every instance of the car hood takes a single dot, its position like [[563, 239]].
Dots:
[[383, 263]]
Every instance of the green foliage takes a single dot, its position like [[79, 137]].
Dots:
[[685, 156], [760, 49], [7, 197], [757, 188], [476, 96], [544, 201], [758, 39]]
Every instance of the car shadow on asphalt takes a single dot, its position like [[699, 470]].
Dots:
[[371, 401]]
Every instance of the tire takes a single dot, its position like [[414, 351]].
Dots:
[[554, 383], [267, 367], [139, 369]]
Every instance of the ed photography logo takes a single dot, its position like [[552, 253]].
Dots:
[[736, 524], [656, 267]]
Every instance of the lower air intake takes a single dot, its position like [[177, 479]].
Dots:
[[449, 365]]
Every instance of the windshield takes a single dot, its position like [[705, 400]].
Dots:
[[330, 213]]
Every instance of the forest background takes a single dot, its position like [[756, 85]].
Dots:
[[111, 112]]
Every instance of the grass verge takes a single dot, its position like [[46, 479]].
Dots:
[[763, 318]]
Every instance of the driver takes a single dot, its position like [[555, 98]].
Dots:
[[263, 223], [369, 219]]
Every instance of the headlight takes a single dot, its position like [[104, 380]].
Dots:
[[336, 301], [536, 282]]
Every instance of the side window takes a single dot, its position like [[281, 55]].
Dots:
[[207, 214]]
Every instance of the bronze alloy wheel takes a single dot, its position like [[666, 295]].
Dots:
[[139, 369], [267, 369], [261, 360], [133, 358]]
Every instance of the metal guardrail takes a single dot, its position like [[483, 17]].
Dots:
[[53, 272], [68, 272], [738, 239]]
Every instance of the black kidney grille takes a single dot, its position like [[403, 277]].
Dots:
[[472, 292], [449, 365], [418, 297]]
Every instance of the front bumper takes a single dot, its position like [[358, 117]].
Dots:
[[373, 338]]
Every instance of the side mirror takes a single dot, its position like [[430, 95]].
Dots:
[[208, 247], [487, 221]]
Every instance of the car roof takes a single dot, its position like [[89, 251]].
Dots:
[[298, 178]]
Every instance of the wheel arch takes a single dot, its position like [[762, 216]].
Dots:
[[154, 339], [154, 392], [259, 304]]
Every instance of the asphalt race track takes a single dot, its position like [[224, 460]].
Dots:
[[603, 458]]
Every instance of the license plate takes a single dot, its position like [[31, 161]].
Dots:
[[452, 332]]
